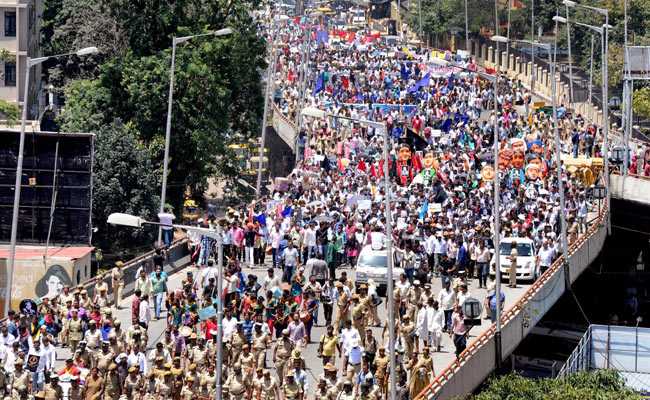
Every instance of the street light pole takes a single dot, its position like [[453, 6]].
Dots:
[[389, 261], [467, 47], [496, 212], [219, 371], [568, 38], [30, 62], [170, 99]]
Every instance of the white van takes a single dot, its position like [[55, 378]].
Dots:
[[373, 264], [527, 268]]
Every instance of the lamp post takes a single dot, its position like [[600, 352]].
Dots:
[[568, 38], [137, 222], [602, 30], [466, 30], [496, 211], [381, 127], [176, 41], [19, 166]]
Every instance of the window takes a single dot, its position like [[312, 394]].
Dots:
[[10, 74], [10, 23]]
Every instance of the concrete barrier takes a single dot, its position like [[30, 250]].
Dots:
[[630, 187], [285, 128]]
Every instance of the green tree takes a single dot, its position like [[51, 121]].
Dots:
[[600, 384], [9, 112], [641, 102], [124, 181]]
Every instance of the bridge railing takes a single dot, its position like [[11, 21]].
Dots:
[[468, 371], [285, 128]]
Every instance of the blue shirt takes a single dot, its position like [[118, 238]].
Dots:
[[247, 326]]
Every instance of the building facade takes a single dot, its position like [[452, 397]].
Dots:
[[20, 24]]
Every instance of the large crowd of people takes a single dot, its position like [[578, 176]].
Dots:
[[310, 230]]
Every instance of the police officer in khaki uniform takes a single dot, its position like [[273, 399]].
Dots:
[[261, 342], [247, 360], [236, 383], [117, 279], [52, 390], [292, 390], [104, 358], [112, 386], [21, 381], [198, 353], [73, 331], [342, 306], [268, 387], [281, 355]]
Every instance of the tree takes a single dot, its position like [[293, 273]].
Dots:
[[124, 181], [641, 102], [10, 112], [600, 384]]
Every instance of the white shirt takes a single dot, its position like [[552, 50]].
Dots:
[[290, 257], [7, 340], [377, 240], [310, 237], [207, 273], [446, 299], [166, 219], [145, 312], [269, 283], [435, 319], [49, 353], [546, 256], [421, 324], [349, 336], [229, 327], [403, 287]]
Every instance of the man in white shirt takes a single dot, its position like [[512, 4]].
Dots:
[[447, 301], [208, 272], [436, 322], [291, 260], [6, 338], [49, 353], [349, 336], [270, 281], [377, 239], [309, 241], [229, 325], [166, 220], [545, 256]]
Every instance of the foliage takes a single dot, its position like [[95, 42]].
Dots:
[[124, 181], [600, 384], [217, 91], [10, 112], [641, 102]]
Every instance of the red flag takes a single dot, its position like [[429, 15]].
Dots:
[[351, 37], [361, 166], [373, 171], [345, 81]]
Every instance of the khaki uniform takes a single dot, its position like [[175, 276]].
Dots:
[[409, 340], [93, 339], [236, 343], [53, 393], [21, 381], [73, 330], [267, 388], [260, 344], [342, 310], [282, 354], [236, 386], [292, 391], [210, 382], [197, 355], [248, 362], [118, 285], [103, 360], [112, 386]]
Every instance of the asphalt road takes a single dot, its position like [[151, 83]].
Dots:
[[314, 364]]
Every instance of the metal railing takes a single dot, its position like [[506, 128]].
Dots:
[[477, 344]]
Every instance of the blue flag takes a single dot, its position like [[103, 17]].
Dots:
[[421, 83], [424, 209], [404, 72], [288, 210], [320, 85], [322, 37]]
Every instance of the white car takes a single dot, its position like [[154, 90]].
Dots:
[[373, 264], [527, 268]]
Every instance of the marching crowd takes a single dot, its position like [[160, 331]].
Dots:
[[319, 219]]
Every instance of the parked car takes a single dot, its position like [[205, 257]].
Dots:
[[373, 264], [527, 268]]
